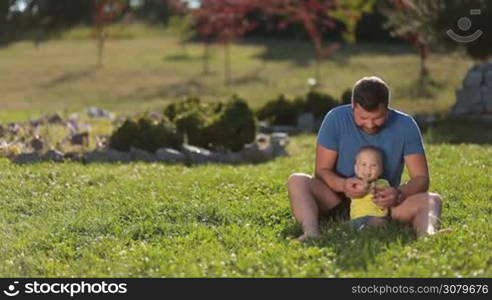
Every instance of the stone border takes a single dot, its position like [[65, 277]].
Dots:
[[265, 148]]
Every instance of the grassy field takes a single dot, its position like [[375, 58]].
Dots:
[[148, 71], [161, 220], [140, 220]]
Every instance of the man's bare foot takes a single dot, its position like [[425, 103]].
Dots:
[[307, 236], [436, 233]]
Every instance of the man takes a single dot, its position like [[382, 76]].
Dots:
[[347, 128]]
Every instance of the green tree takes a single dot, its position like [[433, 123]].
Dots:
[[349, 12]]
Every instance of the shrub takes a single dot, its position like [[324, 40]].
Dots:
[[125, 136], [215, 126], [234, 127], [281, 111], [175, 109], [145, 134], [347, 96], [191, 126], [319, 104]]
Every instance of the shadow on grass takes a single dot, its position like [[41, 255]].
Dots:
[[183, 57], [427, 88], [301, 52], [69, 76], [184, 88], [354, 250], [252, 77], [458, 130]]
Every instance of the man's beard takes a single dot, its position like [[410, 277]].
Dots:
[[371, 131]]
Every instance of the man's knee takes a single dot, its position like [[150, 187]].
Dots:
[[296, 179], [435, 199], [416, 203]]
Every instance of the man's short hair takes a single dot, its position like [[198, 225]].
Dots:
[[370, 92]]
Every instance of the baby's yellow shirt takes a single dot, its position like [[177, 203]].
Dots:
[[360, 207]]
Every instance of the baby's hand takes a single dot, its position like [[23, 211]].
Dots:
[[366, 186]]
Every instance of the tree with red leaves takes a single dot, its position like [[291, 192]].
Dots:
[[224, 21], [104, 12], [414, 21], [313, 15]]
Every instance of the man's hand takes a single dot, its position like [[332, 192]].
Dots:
[[355, 188], [385, 197]]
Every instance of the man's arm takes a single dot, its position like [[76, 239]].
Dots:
[[416, 165], [325, 171], [325, 164], [419, 182]]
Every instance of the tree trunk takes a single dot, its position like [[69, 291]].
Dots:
[[101, 38], [227, 64], [317, 66], [184, 49], [206, 58], [424, 69]]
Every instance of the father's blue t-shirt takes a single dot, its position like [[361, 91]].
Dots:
[[398, 137]]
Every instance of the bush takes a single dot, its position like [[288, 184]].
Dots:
[[319, 104], [191, 126], [347, 96], [234, 127], [281, 111], [191, 104], [145, 134], [125, 136]]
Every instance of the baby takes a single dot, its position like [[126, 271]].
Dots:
[[368, 167]]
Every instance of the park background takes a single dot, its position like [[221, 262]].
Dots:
[[82, 68]]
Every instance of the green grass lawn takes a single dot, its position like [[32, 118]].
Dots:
[[163, 220], [105, 220]]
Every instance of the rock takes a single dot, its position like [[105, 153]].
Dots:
[[252, 153], [474, 97], [279, 142], [81, 139], [55, 119], [95, 112], [197, 155], [137, 154], [14, 128], [487, 97], [37, 122], [169, 155], [110, 155], [53, 155], [27, 158], [305, 122], [37, 143], [73, 126], [285, 129], [102, 141], [264, 127], [2, 130], [229, 157], [74, 156]]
